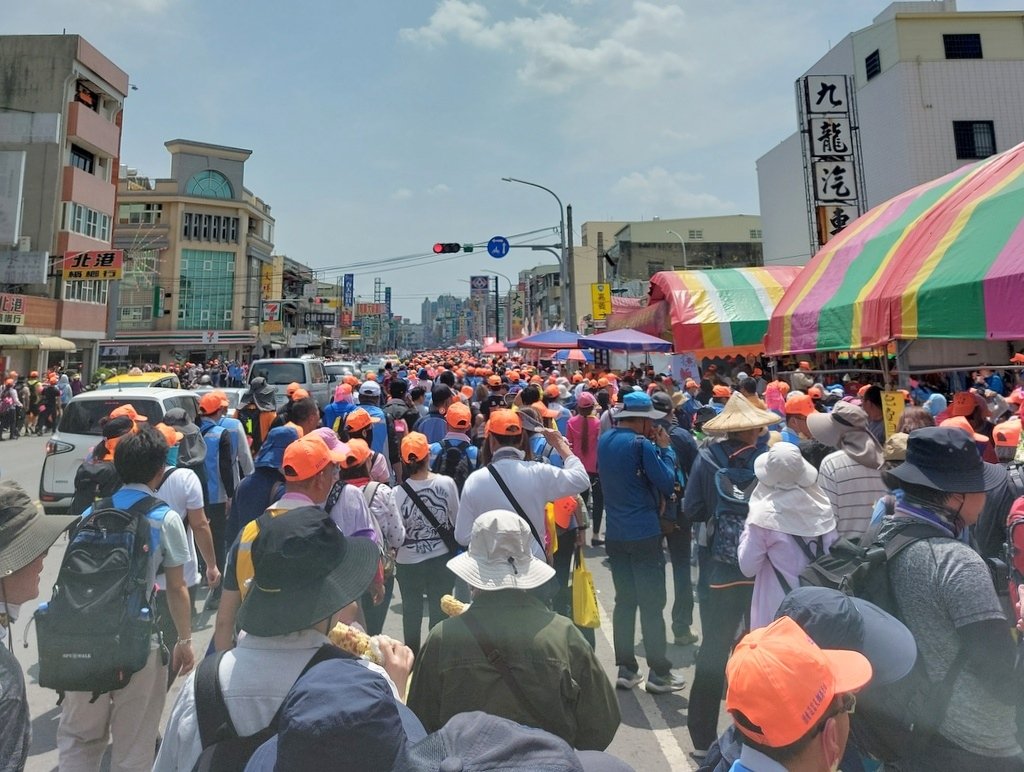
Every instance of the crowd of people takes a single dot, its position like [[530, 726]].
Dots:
[[474, 483]]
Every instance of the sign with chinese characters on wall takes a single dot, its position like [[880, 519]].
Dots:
[[93, 265], [828, 117], [267, 281], [601, 297], [12, 309]]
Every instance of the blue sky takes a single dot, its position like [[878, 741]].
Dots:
[[381, 126]]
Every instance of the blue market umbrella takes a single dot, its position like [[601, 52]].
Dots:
[[625, 340], [574, 355]]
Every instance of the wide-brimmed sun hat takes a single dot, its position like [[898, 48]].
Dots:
[[305, 569], [499, 556], [787, 498], [846, 429], [740, 415], [25, 533], [947, 459]]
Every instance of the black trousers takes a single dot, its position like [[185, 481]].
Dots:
[[724, 618], [375, 615], [431, 578], [596, 495]]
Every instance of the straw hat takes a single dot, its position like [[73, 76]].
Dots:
[[740, 415]]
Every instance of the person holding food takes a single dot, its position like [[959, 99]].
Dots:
[[307, 578]]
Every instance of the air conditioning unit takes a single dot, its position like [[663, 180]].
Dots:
[[24, 243]]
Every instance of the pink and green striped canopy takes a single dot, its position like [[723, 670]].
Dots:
[[719, 310], [943, 260]]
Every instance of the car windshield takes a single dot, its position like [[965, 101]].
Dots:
[[84, 416], [279, 373]]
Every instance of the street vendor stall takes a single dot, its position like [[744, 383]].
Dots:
[[712, 312], [943, 261]]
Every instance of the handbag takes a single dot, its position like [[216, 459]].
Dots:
[[585, 612]]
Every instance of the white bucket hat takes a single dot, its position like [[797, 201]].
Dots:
[[499, 556], [787, 497]]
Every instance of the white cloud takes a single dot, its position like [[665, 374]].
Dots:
[[438, 190], [669, 194], [402, 194], [555, 51]]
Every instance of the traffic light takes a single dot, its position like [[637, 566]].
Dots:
[[447, 248]]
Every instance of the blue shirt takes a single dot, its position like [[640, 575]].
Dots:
[[433, 426], [456, 439], [379, 441], [630, 466], [334, 414], [251, 499], [544, 452]]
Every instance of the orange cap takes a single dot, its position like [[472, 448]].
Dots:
[[466, 391], [783, 684], [415, 446], [863, 390], [564, 509], [592, 384], [961, 423], [34, 374], [292, 387], [224, 401], [358, 453], [371, 376], [691, 384], [757, 372], [505, 422], [964, 403], [544, 411], [552, 391], [721, 391], [458, 416], [359, 419], [127, 411], [299, 394], [9, 382], [307, 457], [210, 404], [514, 375], [1007, 434], [351, 380], [602, 382], [1016, 397], [577, 377], [814, 393], [494, 380], [804, 365], [801, 404], [171, 435], [783, 387]]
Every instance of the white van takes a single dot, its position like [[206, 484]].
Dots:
[[308, 373]]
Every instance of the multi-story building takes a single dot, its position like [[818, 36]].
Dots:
[[60, 141], [641, 249], [543, 308], [197, 246], [933, 89]]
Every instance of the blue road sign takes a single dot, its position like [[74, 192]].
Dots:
[[497, 247]]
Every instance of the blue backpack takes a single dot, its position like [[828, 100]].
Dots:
[[733, 487]]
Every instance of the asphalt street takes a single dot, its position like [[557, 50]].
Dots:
[[652, 736]]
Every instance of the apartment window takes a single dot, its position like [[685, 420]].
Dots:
[[974, 139], [755, 233], [206, 227], [872, 64], [654, 267], [695, 235], [87, 96], [234, 231], [207, 265], [82, 159], [196, 224], [142, 214], [206, 289], [227, 316], [104, 227], [963, 46], [90, 291], [186, 225]]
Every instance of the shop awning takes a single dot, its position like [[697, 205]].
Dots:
[[53, 343], [19, 342], [720, 310], [942, 260]]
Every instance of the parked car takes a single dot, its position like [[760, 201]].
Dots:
[[308, 373], [79, 431], [155, 380], [338, 370], [234, 395]]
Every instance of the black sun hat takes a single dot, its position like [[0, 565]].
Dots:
[[25, 533], [946, 459], [305, 569]]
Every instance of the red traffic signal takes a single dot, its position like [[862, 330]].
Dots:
[[442, 249]]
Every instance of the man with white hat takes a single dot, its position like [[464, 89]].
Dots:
[[723, 590], [508, 654]]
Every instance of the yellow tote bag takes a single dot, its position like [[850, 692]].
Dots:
[[584, 596]]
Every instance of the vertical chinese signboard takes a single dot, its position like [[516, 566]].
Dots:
[[601, 297], [832, 163]]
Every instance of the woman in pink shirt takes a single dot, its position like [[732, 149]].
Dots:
[[583, 432], [789, 524]]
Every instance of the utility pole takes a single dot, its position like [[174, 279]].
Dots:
[[570, 271]]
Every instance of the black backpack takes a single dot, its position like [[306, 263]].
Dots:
[[94, 480], [734, 484], [223, 749], [453, 461], [893, 721], [96, 630]]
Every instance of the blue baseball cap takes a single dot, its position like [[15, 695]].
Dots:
[[342, 712]]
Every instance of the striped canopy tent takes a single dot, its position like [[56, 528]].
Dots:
[[942, 260], [719, 311]]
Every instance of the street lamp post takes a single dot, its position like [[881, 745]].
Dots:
[[685, 266], [570, 303]]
